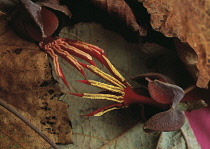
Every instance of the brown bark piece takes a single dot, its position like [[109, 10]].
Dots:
[[27, 85], [190, 22]]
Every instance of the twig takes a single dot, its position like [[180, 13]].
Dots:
[[190, 88], [27, 122]]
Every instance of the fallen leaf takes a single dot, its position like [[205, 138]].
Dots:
[[54, 4], [118, 128], [136, 138], [27, 85], [190, 22], [190, 59], [31, 21], [122, 11], [184, 138]]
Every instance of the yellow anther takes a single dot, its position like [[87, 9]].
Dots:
[[103, 112], [107, 87], [114, 70], [103, 96], [106, 76]]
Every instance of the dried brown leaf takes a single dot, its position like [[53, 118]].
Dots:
[[26, 84], [54, 4], [121, 10], [33, 21], [190, 22]]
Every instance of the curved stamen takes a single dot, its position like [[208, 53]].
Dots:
[[76, 52], [103, 96], [113, 70], [105, 109], [57, 67], [70, 59], [105, 76], [103, 86]]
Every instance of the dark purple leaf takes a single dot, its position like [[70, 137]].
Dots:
[[164, 92], [166, 121]]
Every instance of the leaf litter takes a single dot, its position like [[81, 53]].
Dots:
[[101, 102], [26, 84]]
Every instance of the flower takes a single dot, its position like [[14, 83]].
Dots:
[[163, 93]]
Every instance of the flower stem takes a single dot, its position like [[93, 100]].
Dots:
[[191, 105], [132, 97], [190, 88], [27, 122]]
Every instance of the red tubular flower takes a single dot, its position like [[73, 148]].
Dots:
[[65, 48], [119, 91], [163, 93]]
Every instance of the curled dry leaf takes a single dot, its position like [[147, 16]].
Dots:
[[31, 21], [35, 22], [121, 10], [26, 84], [190, 59], [54, 4], [190, 22]]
